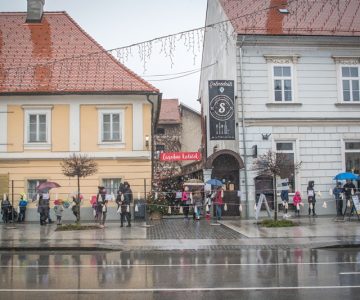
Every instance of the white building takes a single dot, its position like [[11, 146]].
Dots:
[[296, 73]]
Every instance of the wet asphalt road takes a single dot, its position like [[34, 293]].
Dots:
[[243, 274]]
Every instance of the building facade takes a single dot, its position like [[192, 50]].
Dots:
[[61, 93], [296, 83]]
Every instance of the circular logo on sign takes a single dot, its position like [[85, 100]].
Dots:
[[221, 108]]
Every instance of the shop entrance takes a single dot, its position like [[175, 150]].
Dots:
[[225, 166]]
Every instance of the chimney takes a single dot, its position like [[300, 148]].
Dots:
[[34, 11]]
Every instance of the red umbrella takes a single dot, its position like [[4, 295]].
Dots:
[[47, 185]]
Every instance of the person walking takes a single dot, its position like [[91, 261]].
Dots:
[[22, 208], [337, 192], [219, 202], [58, 209], [297, 201], [100, 201], [311, 198], [125, 205], [185, 201]]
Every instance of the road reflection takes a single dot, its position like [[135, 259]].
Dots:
[[180, 269]]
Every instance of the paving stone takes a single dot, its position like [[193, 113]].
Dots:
[[189, 229]]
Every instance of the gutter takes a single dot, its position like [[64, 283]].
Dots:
[[244, 127], [154, 121]]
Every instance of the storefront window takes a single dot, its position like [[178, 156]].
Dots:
[[352, 157], [288, 168]]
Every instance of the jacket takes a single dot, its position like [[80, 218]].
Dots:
[[218, 198], [185, 198], [58, 210], [311, 195], [297, 198]]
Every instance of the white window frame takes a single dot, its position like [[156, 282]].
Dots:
[[283, 78], [37, 111], [119, 143], [295, 151], [112, 178], [348, 78], [345, 61], [38, 181], [282, 61], [344, 151]]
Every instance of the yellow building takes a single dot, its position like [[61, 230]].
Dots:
[[62, 93]]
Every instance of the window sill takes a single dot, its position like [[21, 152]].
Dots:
[[112, 145], [37, 146], [283, 103], [347, 103]]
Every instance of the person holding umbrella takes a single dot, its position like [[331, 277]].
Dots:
[[219, 202]]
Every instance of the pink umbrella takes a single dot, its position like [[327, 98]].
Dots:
[[47, 185]]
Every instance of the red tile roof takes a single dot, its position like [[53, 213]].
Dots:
[[169, 112], [57, 56], [305, 17]]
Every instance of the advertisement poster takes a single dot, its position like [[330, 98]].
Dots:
[[221, 110]]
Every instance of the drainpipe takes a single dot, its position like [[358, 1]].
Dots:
[[152, 133], [243, 128]]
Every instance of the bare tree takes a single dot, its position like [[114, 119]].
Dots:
[[271, 164], [78, 166]]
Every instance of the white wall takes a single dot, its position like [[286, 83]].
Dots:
[[219, 48]]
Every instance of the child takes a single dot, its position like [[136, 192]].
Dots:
[[58, 208], [208, 205], [311, 198], [297, 201]]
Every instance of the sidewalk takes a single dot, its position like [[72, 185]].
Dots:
[[179, 234]]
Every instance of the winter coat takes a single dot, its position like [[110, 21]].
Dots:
[[128, 196], [311, 195], [198, 200], [337, 192], [76, 205], [297, 198], [284, 195], [219, 198], [185, 198], [58, 210], [348, 187]]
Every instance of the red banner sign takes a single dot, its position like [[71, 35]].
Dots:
[[176, 156]]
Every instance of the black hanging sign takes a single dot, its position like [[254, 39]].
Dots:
[[221, 110]]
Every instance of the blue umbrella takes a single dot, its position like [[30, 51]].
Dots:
[[215, 182], [346, 176]]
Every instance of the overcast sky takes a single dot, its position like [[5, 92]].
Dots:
[[118, 23]]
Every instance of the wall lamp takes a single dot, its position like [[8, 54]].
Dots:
[[147, 138]]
